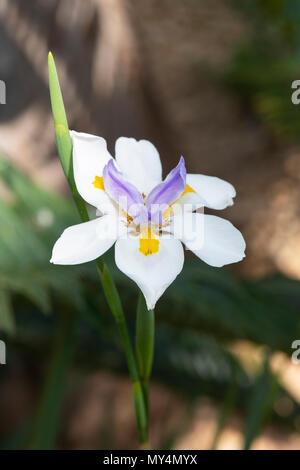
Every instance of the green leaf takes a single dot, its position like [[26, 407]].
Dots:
[[260, 403], [227, 408], [144, 338], [140, 410], [64, 141]]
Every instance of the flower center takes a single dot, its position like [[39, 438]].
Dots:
[[148, 242]]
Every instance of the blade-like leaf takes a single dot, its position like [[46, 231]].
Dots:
[[62, 136], [260, 404]]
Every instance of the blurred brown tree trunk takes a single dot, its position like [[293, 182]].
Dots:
[[106, 80]]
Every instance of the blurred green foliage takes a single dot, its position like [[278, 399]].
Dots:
[[27, 227], [201, 314], [268, 61]]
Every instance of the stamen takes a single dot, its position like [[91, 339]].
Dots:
[[98, 183], [148, 243]]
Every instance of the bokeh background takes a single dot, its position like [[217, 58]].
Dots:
[[208, 79]]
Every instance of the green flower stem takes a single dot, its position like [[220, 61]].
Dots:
[[144, 346], [64, 146], [114, 302]]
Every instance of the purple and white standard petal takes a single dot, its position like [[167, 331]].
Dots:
[[124, 193], [90, 155], [139, 162], [85, 242], [153, 274], [213, 239], [217, 193], [165, 193]]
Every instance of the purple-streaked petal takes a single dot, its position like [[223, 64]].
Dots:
[[124, 193], [165, 193]]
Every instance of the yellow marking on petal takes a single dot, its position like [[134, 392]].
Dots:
[[187, 190], [98, 183], [148, 243], [168, 212]]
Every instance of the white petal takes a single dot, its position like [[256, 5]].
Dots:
[[213, 239], [217, 193], [139, 162], [85, 242], [153, 273], [90, 155]]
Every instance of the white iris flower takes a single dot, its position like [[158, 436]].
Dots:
[[148, 219]]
